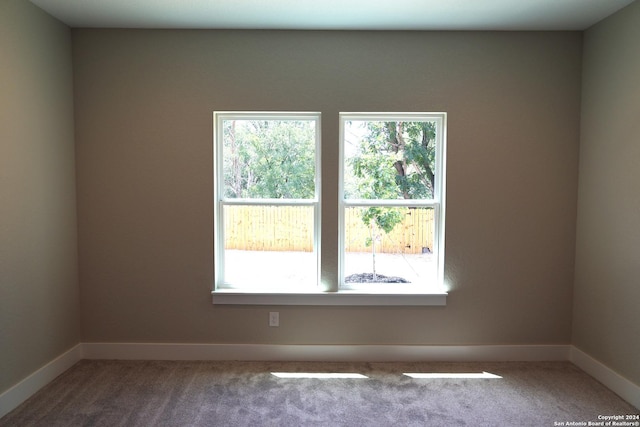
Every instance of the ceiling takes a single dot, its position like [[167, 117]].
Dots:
[[518, 15]]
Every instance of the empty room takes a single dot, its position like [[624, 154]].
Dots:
[[319, 212]]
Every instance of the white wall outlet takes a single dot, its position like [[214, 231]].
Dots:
[[274, 318]]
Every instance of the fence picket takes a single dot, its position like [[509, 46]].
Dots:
[[290, 228]]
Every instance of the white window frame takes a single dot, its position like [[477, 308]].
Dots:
[[437, 203], [434, 294], [220, 285]]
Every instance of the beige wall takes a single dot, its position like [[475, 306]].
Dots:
[[39, 294], [143, 110], [607, 278]]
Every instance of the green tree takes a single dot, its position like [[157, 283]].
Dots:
[[392, 160], [269, 159]]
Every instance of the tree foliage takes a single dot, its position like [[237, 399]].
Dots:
[[270, 159], [395, 160]]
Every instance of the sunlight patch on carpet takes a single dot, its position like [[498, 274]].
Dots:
[[457, 375], [319, 375]]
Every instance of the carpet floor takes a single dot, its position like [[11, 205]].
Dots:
[[202, 393]]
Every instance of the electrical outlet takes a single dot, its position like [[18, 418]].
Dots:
[[274, 318]]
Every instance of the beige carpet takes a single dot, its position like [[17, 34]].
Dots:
[[162, 393]]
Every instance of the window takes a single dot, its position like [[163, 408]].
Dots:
[[267, 207], [267, 200], [391, 201]]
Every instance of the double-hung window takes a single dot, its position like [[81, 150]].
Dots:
[[267, 201], [390, 196], [392, 201]]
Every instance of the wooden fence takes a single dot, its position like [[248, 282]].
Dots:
[[290, 228]]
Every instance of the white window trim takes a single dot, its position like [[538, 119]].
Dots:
[[338, 298], [437, 202], [434, 295], [220, 203]]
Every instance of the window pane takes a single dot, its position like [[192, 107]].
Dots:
[[267, 246], [389, 160], [269, 159], [389, 245]]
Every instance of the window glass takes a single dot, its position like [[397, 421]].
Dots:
[[403, 254], [391, 207], [269, 159], [389, 159], [267, 201]]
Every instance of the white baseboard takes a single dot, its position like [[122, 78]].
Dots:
[[614, 381], [328, 353], [20, 392]]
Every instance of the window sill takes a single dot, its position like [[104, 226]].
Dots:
[[340, 298]]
